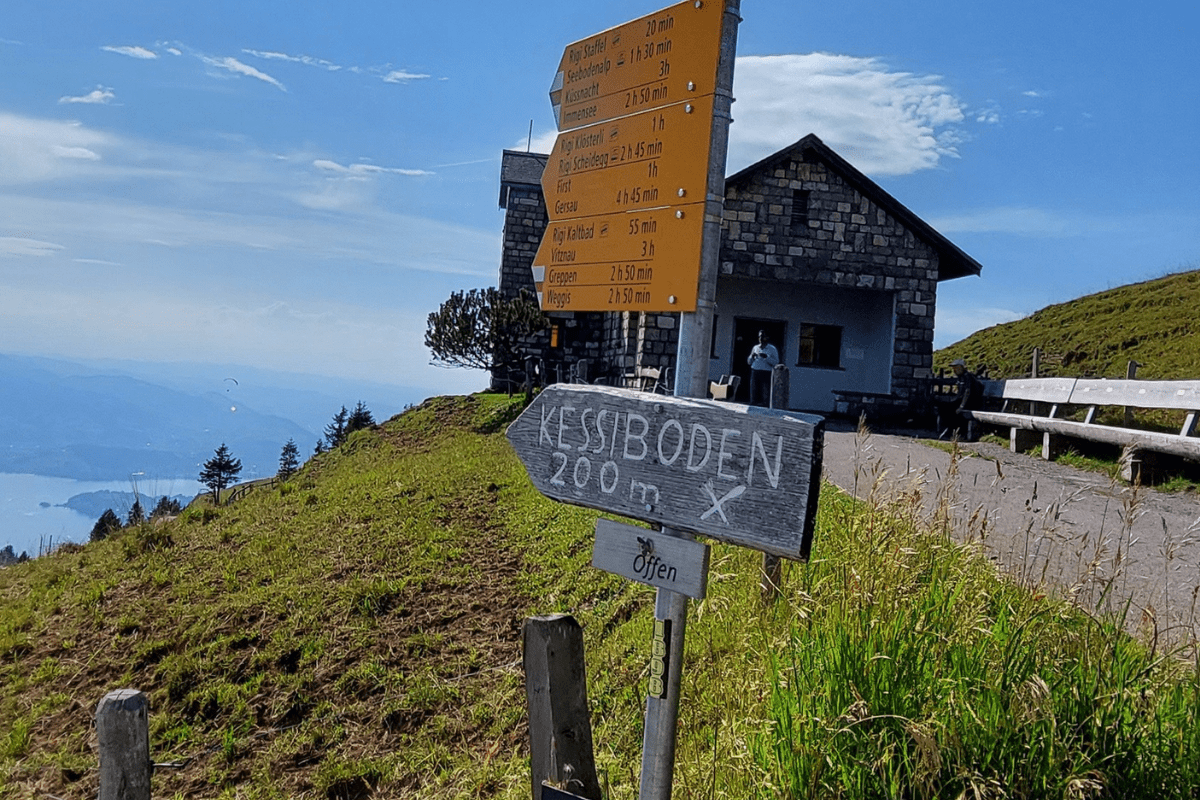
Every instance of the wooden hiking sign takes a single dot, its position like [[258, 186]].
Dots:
[[739, 474]]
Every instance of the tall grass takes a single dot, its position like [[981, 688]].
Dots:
[[913, 669]]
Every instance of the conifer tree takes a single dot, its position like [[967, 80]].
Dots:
[[108, 523], [335, 431], [166, 507], [481, 329], [220, 471], [360, 418], [136, 515], [289, 460]]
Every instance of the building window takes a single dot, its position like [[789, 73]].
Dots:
[[555, 335], [712, 348], [800, 201], [820, 346]]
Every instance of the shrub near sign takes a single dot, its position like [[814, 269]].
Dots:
[[744, 475]]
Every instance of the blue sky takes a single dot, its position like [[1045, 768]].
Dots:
[[297, 185]]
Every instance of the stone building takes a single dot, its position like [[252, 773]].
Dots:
[[838, 272]]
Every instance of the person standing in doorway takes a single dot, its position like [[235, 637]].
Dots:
[[762, 360]]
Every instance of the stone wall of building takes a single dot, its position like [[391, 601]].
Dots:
[[579, 335], [841, 238], [838, 237], [524, 222]]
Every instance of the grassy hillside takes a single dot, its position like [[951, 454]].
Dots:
[[1154, 323], [354, 634]]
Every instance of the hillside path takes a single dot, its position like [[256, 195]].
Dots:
[[1048, 525]]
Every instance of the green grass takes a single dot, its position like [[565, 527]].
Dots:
[[1153, 322], [354, 632], [914, 670]]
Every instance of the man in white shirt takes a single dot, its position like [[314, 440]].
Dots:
[[762, 360]]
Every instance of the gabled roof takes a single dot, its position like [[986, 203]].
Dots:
[[952, 262], [519, 168]]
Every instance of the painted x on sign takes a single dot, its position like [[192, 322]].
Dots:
[[744, 475]]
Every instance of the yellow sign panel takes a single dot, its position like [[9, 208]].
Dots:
[[648, 160], [662, 58], [635, 261]]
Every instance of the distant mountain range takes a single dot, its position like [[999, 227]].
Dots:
[[106, 421]]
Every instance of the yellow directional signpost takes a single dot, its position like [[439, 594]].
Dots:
[[662, 58], [652, 159], [634, 190], [636, 106], [613, 262]]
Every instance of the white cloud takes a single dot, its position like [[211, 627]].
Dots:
[[362, 170], [99, 96], [542, 142], [306, 60], [132, 52], [100, 262], [884, 122], [36, 149], [403, 76], [148, 225], [305, 337], [175, 51], [81, 153], [14, 246], [1030, 222], [238, 68]]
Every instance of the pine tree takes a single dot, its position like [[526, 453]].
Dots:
[[108, 523], [136, 515], [335, 432], [360, 418], [166, 507], [289, 460], [481, 329], [220, 471]]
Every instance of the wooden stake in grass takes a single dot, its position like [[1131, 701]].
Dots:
[[122, 725], [560, 728]]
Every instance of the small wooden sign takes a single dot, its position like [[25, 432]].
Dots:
[[651, 557], [745, 475]]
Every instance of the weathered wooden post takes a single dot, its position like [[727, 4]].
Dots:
[[123, 728], [560, 728]]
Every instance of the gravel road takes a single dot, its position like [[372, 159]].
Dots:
[[1047, 524]]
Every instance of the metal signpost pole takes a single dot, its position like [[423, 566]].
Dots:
[[691, 380]]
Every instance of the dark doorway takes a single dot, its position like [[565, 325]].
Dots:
[[745, 336]]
